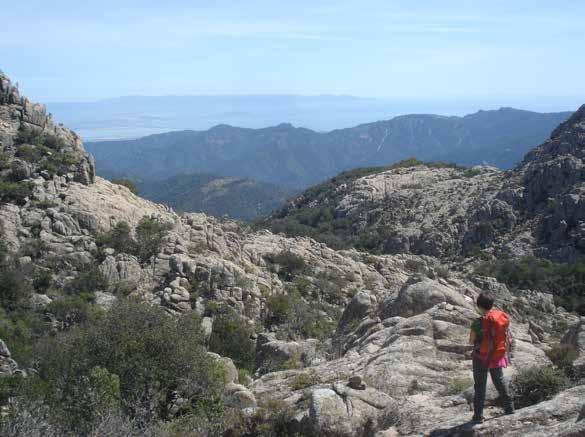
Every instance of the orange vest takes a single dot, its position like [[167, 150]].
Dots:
[[494, 345]]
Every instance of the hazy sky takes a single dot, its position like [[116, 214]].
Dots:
[[83, 50]]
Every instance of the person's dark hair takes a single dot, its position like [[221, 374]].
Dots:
[[485, 300]]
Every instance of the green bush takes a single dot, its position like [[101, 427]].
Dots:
[[19, 329], [4, 160], [15, 192], [231, 337], [565, 281], [150, 234], [42, 280], [298, 319], [118, 238], [304, 380], [458, 385], [15, 288], [35, 136], [89, 280], [132, 358], [536, 384], [563, 356], [289, 264], [71, 310], [28, 153], [280, 307], [126, 183], [28, 135]]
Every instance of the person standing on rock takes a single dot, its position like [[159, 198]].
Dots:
[[491, 339]]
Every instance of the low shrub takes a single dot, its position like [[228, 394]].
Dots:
[[231, 337], [89, 280], [126, 183], [4, 160], [297, 318], [304, 380], [15, 192], [289, 264], [563, 356], [20, 329], [536, 384], [71, 310], [15, 288], [118, 238], [458, 385]]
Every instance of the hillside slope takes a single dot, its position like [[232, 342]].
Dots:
[[241, 199]]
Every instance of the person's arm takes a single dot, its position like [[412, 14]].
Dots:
[[472, 336]]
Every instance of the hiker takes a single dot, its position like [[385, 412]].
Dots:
[[491, 339]]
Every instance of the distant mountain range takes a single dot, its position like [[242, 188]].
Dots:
[[295, 157], [242, 199], [138, 116]]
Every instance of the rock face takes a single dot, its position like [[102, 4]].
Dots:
[[553, 177], [22, 123]]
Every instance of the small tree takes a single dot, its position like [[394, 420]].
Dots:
[[119, 238], [150, 234]]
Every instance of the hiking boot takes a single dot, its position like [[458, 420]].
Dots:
[[477, 419], [509, 411]]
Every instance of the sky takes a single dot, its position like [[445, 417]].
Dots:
[[516, 52]]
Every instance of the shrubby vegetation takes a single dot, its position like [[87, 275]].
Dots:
[[126, 183], [45, 150], [118, 238], [132, 362], [15, 192], [289, 264], [458, 385], [565, 281], [147, 243], [563, 356], [536, 384], [150, 234], [297, 318], [231, 337]]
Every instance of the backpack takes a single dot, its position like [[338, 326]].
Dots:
[[497, 339]]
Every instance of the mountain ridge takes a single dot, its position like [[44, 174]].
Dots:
[[299, 157]]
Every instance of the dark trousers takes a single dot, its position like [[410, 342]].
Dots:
[[480, 373]]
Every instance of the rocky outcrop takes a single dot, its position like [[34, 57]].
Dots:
[[50, 148], [553, 177], [272, 354], [428, 415], [8, 367]]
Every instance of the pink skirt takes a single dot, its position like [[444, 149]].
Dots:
[[502, 363]]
